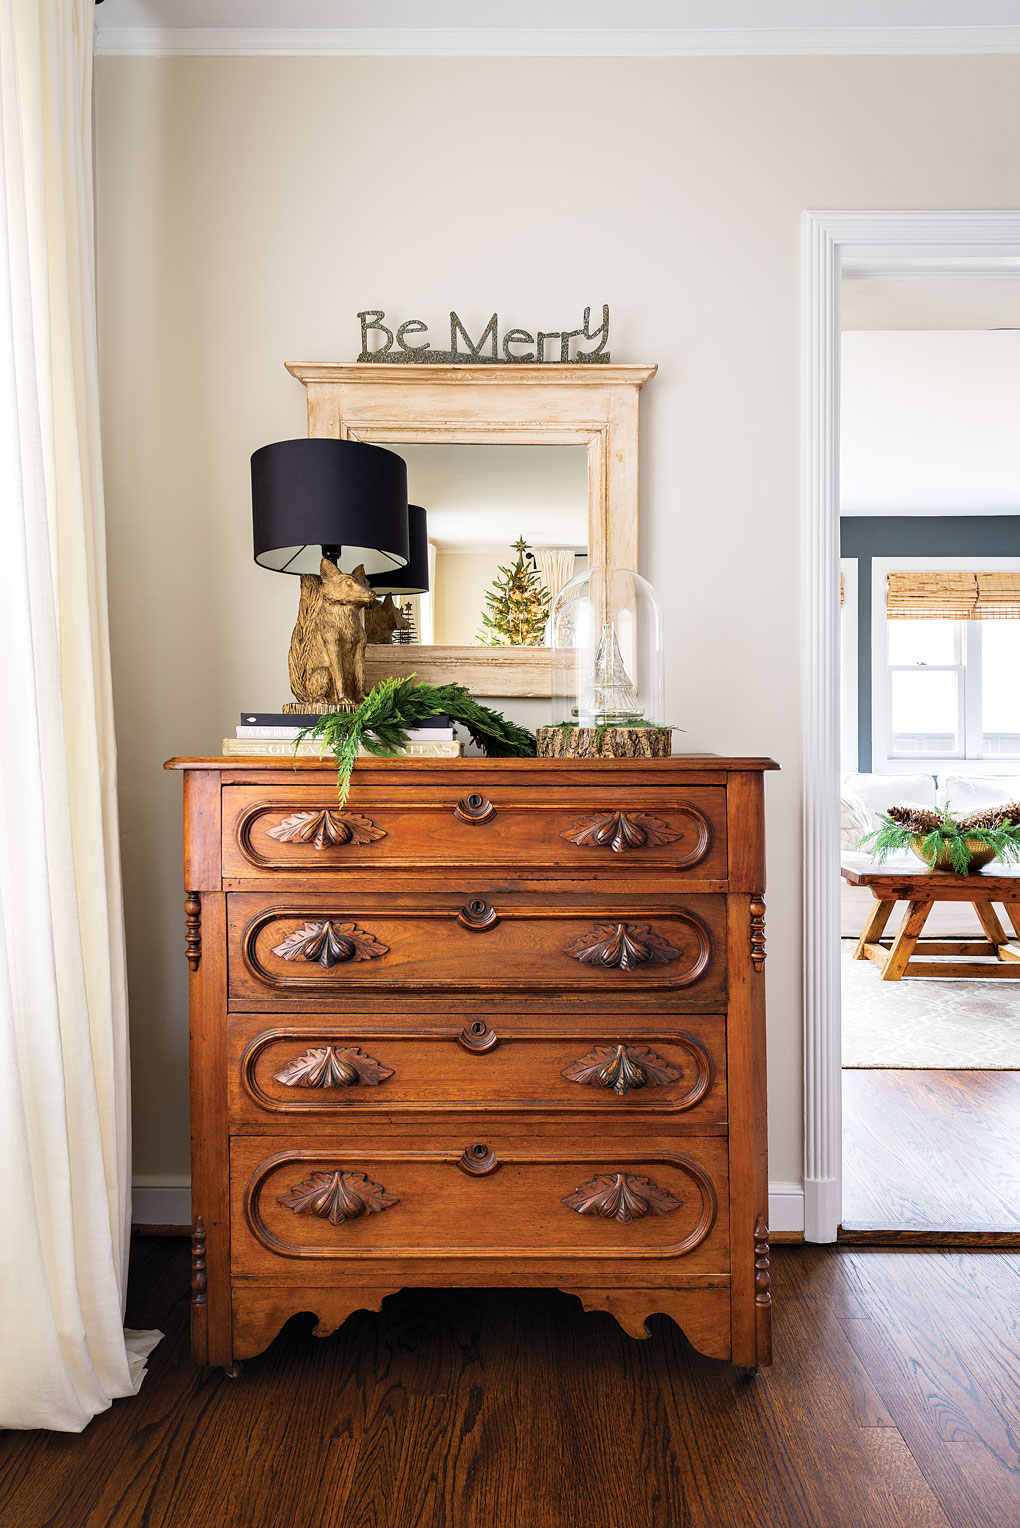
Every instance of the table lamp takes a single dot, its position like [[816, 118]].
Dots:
[[334, 512]]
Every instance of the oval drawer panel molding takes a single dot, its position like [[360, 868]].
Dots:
[[337, 1196], [326, 827], [440, 943], [329, 944], [329, 1066], [428, 1063], [495, 1198]]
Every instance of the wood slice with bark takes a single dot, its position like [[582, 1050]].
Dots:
[[604, 742]]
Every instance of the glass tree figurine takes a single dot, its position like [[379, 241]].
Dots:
[[605, 631]]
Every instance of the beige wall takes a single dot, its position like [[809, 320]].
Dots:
[[249, 207], [462, 581]]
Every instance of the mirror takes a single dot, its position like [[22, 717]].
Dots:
[[480, 500], [494, 452]]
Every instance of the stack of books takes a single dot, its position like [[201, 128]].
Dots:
[[262, 734]]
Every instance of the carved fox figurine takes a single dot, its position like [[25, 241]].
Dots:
[[327, 650]]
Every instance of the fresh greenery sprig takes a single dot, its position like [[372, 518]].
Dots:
[[941, 833], [381, 723]]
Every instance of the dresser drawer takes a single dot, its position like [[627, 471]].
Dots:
[[301, 829], [316, 950], [308, 1073], [335, 1203]]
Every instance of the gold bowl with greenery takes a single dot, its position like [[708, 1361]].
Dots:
[[942, 857], [943, 842]]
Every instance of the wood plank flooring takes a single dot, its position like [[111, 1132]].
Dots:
[[894, 1403], [931, 1151]]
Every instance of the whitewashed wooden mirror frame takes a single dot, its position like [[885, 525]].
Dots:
[[524, 404]]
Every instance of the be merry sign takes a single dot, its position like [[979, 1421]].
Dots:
[[381, 343]]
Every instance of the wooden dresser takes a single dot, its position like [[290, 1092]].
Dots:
[[497, 1022]]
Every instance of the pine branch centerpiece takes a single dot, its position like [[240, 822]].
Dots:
[[518, 605], [946, 842], [381, 723]]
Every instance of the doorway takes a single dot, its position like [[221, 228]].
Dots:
[[888, 246], [930, 716]]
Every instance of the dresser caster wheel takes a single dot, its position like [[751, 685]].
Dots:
[[750, 1372], [233, 1371]]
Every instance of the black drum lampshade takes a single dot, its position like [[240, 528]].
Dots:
[[414, 579], [341, 499]]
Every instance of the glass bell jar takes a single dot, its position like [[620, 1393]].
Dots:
[[605, 631]]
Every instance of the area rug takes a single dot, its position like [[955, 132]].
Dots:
[[924, 1022]]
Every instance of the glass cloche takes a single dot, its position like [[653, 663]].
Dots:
[[605, 631]]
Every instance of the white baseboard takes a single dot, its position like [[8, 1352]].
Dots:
[[786, 1208], [161, 1201], [166, 1201]]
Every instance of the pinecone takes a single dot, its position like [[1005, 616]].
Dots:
[[1005, 816], [919, 819]]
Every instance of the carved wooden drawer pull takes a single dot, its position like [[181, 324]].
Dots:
[[333, 1066], [329, 944], [326, 827], [478, 1160], [622, 946], [478, 915], [621, 830], [622, 1197], [623, 1068], [474, 808], [337, 1196]]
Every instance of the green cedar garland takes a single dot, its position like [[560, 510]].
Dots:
[[381, 723], [518, 604]]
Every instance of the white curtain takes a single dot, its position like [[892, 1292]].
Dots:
[[64, 1142], [556, 567]]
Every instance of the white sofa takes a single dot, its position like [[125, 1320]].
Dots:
[[964, 793]]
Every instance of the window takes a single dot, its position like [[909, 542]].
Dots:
[[942, 688]]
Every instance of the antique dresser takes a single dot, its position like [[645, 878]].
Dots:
[[496, 1022]]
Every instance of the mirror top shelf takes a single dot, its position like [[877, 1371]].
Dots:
[[560, 373]]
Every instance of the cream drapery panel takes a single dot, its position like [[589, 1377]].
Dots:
[[64, 1138], [556, 565]]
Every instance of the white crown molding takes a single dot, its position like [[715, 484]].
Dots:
[[483, 42], [866, 243]]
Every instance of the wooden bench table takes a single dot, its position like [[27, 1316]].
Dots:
[[920, 889]]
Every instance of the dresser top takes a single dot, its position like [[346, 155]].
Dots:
[[679, 763]]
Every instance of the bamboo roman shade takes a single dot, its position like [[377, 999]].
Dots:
[[936, 595]]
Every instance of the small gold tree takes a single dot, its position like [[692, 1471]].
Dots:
[[518, 605]]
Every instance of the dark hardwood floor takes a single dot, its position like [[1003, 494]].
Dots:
[[894, 1403], [931, 1151]]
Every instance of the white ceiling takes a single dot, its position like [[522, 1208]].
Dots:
[[122, 24], [930, 423]]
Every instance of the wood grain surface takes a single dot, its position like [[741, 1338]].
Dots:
[[894, 1402], [931, 1151]]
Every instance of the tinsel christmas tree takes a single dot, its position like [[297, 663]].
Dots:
[[518, 606]]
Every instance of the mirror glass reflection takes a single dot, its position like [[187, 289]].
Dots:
[[481, 502]]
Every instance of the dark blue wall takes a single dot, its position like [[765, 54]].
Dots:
[[868, 536]]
